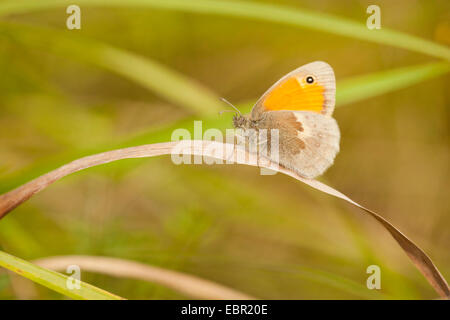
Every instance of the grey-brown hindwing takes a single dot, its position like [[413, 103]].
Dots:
[[308, 141]]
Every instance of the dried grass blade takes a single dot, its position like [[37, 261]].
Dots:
[[12, 199]]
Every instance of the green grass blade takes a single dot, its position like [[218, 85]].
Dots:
[[150, 74], [53, 280], [259, 11], [349, 91], [372, 85]]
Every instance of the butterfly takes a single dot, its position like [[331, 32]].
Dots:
[[300, 106]]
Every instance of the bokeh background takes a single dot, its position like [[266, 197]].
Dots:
[[268, 236]]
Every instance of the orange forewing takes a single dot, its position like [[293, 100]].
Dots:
[[295, 94]]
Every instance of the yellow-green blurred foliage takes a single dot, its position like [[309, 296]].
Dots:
[[268, 236]]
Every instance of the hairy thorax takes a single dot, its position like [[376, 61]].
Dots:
[[241, 122]]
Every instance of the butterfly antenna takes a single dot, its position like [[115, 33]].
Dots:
[[231, 105]]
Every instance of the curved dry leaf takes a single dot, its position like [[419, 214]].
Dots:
[[190, 285], [231, 154]]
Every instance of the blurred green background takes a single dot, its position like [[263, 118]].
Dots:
[[65, 94]]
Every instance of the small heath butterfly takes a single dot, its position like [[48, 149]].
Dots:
[[300, 106]]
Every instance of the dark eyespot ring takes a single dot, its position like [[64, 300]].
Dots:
[[309, 79]]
